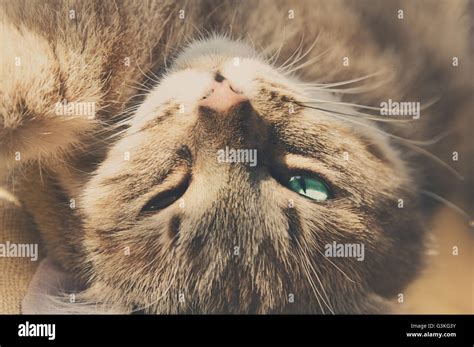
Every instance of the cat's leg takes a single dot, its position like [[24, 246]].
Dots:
[[48, 100], [35, 124], [67, 70], [95, 57]]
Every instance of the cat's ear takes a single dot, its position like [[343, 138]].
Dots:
[[50, 289]]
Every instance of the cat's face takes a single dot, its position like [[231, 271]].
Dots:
[[175, 224]]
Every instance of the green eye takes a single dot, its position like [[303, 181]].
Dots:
[[309, 186]]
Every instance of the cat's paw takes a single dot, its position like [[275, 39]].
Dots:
[[42, 113]]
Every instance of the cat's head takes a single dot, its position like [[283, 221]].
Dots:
[[229, 193]]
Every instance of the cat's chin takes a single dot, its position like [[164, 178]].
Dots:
[[49, 293], [216, 45]]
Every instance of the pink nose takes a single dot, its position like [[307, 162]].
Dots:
[[222, 96]]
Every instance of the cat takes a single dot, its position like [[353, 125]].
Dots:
[[135, 208]]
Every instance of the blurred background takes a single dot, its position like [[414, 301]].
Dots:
[[446, 283]]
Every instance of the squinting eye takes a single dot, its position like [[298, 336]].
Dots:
[[310, 186], [159, 203], [165, 199]]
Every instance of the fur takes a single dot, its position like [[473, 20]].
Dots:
[[129, 262]]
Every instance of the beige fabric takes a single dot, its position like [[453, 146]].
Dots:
[[15, 273]]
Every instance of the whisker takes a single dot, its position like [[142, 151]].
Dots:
[[147, 90], [320, 283], [298, 59], [329, 260], [449, 204], [437, 160], [335, 114], [274, 57], [298, 48], [306, 63], [216, 8], [341, 83], [308, 264], [154, 78], [356, 114], [407, 142], [171, 283], [312, 285], [353, 90], [320, 101], [369, 116], [231, 25]]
